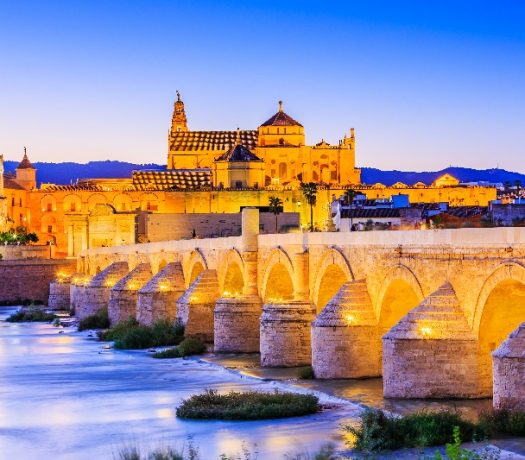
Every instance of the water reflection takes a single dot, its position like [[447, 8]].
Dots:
[[63, 397]]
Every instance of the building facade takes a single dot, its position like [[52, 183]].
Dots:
[[207, 172]]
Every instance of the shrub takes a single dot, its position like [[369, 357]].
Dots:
[[503, 422], [100, 320], [130, 335], [251, 405], [31, 315], [307, 373], [187, 347], [190, 347], [167, 354], [379, 431]]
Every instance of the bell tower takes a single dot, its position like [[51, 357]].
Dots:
[[179, 121]]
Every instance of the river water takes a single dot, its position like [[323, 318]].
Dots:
[[64, 396]]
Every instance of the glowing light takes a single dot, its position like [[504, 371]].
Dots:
[[226, 294], [349, 318], [426, 331], [163, 287], [110, 283]]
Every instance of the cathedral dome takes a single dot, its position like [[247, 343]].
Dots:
[[281, 119]]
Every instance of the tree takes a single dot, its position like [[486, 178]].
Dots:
[[310, 193], [350, 194], [276, 207]]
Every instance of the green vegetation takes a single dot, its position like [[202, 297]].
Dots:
[[503, 422], [100, 320], [31, 315], [379, 431], [306, 373], [309, 190], [18, 236], [251, 405], [192, 453], [275, 205], [187, 347], [130, 335]]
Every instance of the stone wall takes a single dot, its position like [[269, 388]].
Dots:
[[31, 278], [163, 227], [507, 213], [14, 252]]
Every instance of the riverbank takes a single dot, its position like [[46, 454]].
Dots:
[[66, 396]]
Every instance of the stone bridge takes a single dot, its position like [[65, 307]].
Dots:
[[424, 309]]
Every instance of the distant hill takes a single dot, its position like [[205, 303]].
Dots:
[[372, 175], [65, 173]]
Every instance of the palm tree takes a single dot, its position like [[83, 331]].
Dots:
[[310, 193], [350, 194], [276, 207]]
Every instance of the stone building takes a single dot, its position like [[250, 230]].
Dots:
[[208, 172]]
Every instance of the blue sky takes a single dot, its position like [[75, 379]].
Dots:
[[426, 84]]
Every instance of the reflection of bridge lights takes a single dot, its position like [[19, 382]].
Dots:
[[110, 283], [426, 331], [226, 294], [163, 287]]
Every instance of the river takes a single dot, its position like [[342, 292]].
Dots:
[[64, 395]]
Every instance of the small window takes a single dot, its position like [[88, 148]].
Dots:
[[20, 202], [281, 141], [73, 206], [49, 229], [13, 201], [238, 184], [49, 207]]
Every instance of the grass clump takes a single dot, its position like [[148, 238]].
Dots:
[[379, 431], [306, 373], [31, 315], [251, 405], [100, 320], [129, 335], [503, 421], [187, 347]]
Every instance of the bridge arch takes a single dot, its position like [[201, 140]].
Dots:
[[400, 292], [500, 309], [333, 271], [231, 274], [278, 277], [195, 265]]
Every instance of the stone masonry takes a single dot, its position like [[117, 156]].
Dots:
[[345, 339], [236, 324], [157, 300], [95, 295], [286, 335], [123, 296], [431, 352], [509, 372], [195, 308]]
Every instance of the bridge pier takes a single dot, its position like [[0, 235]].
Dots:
[[509, 372], [157, 300], [77, 290], [286, 334], [236, 324], [95, 295], [195, 307], [60, 294], [431, 352], [345, 336], [122, 303]]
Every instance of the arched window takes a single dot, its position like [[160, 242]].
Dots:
[[283, 170], [281, 141]]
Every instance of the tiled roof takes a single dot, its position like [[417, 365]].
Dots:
[[172, 179], [25, 163], [10, 183], [281, 119], [72, 188], [210, 140], [377, 213], [466, 211], [238, 153]]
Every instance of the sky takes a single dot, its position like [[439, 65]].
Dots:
[[426, 84]]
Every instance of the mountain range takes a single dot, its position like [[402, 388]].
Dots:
[[69, 172]]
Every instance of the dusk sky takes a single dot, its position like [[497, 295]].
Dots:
[[426, 84]]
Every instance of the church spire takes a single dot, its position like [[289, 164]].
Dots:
[[179, 121]]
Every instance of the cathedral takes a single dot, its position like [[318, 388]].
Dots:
[[209, 173]]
